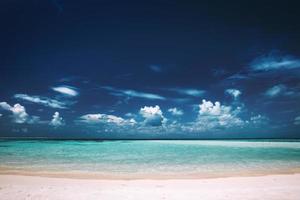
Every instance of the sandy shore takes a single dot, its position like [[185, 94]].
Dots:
[[270, 187]]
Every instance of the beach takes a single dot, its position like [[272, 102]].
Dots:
[[112, 170], [270, 187]]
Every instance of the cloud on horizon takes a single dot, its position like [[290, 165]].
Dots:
[[19, 113], [105, 119], [57, 120], [215, 115], [153, 115]]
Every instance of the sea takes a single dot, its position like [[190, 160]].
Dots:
[[149, 158]]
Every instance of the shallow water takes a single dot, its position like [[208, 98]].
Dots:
[[168, 157]]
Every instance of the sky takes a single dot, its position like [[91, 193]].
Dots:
[[149, 69]]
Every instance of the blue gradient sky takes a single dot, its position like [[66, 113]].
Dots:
[[149, 69]]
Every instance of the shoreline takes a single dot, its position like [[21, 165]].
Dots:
[[271, 187], [145, 176]]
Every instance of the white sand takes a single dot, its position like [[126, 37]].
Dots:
[[271, 187]]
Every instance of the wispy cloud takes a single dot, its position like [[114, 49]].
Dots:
[[297, 120], [45, 101], [275, 62], [155, 68], [132, 93], [66, 90], [275, 90], [281, 90], [188, 91]]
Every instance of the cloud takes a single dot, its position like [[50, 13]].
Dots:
[[297, 120], [238, 76], [106, 119], [233, 92], [276, 91], [155, 68], [188, 91], [153, 115], [18, 112], [215, 116], [175, 111], [45, 101], [130, 115], [275, 62], [132, 93], [259, 120], [66, 90], [282, 90], [57, 120]]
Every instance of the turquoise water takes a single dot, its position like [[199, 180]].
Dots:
[[130, 158]]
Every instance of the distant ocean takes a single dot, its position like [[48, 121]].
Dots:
[[149, 158]]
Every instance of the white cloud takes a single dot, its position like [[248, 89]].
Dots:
[[259, 120], [275, 62], [130, 115], [188, 91], [45, 101], [66, 90], [214, 115], [57, 120], [18, 112], [106, 119], [175, 111], [233, 92], [153, 115], [133, 93], [297, 120]]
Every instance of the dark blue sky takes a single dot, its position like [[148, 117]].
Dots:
[[149, 69]]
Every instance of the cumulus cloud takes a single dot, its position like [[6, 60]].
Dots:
[[18, 112], [275, 62], [188, 91], [297, 120], [233, 92], [106, 119], [45, 101], [133, 93], [153, 115], [66, 90], [175, 111], [214, 115], [57, 120]]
